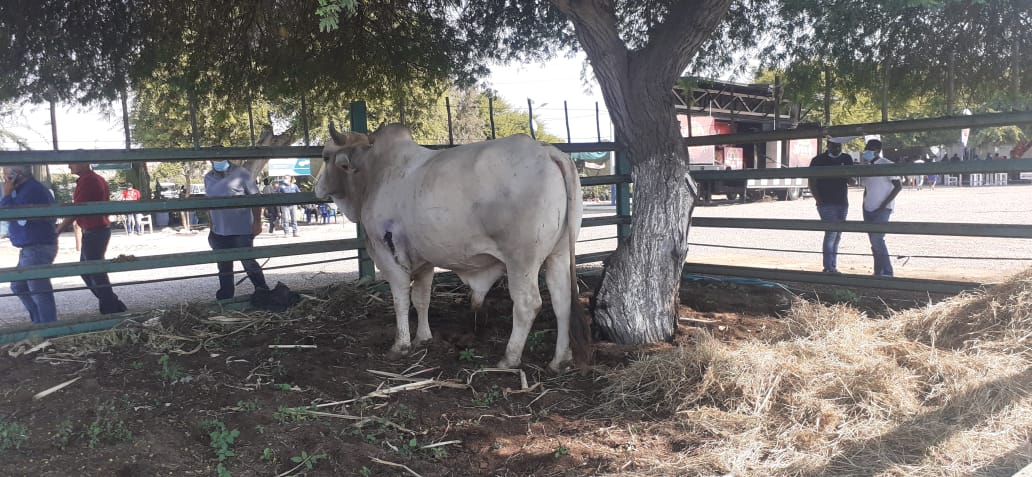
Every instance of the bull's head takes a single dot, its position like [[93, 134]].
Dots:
[[342, 156]]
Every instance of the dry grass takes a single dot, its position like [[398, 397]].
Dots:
[[941, 390]]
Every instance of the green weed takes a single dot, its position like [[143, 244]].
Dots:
[[221, 439], [468, 355], [12, 434], [106, 427], [488, 398], [309, 461], [169, 371]]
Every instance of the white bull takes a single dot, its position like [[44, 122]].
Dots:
[[481, 210]]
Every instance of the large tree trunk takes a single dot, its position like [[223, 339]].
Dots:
[[636, 302], [637, 298]]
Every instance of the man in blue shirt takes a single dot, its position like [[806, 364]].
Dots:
[[37, 239], [233, 228]]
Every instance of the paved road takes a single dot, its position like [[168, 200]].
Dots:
[[1009, 204]]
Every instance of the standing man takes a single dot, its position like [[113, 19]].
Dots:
[[288, 213], [879, 199], [831, 195], [271, 187], [96, 233], [132, 220], [233, 228], [36, 238]]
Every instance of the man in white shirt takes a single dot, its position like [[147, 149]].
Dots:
[[879, 199]]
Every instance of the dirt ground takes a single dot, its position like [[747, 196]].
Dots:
[[210, 392]]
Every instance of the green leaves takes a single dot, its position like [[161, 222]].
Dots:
[[329, 13]]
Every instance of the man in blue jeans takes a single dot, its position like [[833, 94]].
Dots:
[[36, 238], [879, 199], [831, 195], [233, 228], [96, 234]]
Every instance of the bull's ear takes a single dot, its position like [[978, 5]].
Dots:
[[337, 137]]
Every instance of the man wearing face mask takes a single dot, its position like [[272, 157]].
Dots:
[[831, 195], [879, 199], [36, 239], [233, 228]]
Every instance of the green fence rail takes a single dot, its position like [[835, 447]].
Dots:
[[621, 180]]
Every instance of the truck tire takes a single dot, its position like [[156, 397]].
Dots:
[[732, 196]]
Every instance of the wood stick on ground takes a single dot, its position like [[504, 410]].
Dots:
[[440, 444], [275, 346], [392, 464], [47, 392]]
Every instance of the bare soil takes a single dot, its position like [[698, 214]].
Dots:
[[164, 403]]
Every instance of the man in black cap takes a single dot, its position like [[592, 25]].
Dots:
[[879, 199], [831, 195]]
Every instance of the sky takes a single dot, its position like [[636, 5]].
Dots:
[[546, 84]]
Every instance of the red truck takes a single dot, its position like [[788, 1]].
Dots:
[[774, 154]]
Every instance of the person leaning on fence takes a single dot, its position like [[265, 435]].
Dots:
[[233, 228], [96, 233], [36, 240], [879, 199], [831, 195]]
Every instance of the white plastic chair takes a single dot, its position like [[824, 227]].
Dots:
[[145, 221]]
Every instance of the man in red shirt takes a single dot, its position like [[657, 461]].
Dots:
[[132, 221], [96, 233]]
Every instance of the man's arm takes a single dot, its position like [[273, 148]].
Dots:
[[65, 224], [896, 187], [811, 183], [256, 223]]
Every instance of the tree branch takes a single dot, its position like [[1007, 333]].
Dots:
[[595, 24], [671, 47]]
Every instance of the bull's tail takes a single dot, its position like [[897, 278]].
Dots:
[[580, 323]]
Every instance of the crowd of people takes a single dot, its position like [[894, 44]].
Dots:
[[37, 239]]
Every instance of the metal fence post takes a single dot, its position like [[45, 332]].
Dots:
[[359, 124], [623, 196]]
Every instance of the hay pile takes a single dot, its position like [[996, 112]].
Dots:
[[941, 390]]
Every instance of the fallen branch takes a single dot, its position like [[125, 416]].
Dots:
[[392, 464], [47, 392], [522, 375], [275, 346], [440, 444]]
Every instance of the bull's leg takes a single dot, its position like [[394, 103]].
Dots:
[[421, 288], [526, 302], [400, 286], [557, 278]]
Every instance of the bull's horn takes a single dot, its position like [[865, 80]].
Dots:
[[336, 136]]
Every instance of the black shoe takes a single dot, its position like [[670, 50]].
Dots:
[[117, 307]]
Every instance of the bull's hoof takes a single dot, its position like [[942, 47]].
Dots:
[[418, 343], [395, 354], [507, 364], [558, 367]]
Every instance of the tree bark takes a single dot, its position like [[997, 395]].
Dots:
[[637, 298]]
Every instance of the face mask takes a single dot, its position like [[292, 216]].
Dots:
[[835, 154], [869, 156], [220, 166]]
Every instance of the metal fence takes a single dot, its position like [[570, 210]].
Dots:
[[621, 181]]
